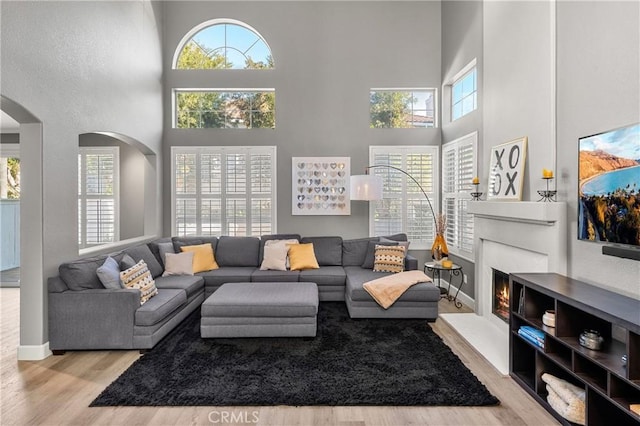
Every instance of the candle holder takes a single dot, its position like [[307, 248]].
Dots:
[[547, 195], [475, 195]]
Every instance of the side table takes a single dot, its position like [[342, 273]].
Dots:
[[454, 271]]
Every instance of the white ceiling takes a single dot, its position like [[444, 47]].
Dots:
[[8, 124]]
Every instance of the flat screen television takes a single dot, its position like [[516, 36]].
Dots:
[[609, 188]]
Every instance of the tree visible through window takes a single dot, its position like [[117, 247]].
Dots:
[[390, 108]]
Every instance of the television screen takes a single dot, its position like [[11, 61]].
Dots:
[[609, 189]]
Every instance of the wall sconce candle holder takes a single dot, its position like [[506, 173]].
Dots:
[[476, 194], [547, 195]]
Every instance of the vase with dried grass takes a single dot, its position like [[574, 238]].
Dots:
[[439, 249]]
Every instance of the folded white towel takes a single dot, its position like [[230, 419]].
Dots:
[[566, 398]]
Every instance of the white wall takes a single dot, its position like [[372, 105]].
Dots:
[[327, 57], [78, 67], [598, 89]]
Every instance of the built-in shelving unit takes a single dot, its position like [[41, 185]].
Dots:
[[610, 385]]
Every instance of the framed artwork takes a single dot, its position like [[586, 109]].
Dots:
[[320, 186], [506, 170]]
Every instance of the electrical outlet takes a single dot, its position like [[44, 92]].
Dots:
[[464, 277]]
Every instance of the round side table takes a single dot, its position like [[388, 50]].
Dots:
[[454, 271]]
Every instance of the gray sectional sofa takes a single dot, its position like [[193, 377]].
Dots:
[[85, 315]]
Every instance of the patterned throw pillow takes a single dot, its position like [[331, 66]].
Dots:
[[139, 277], [389, 258]]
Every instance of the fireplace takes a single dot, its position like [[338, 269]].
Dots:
[[500, 305]]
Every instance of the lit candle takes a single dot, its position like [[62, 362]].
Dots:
[[476, 180], [547, 173]]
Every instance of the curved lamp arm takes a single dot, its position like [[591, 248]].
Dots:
[[412, 178]]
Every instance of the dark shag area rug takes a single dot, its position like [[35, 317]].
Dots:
[[349, 362]]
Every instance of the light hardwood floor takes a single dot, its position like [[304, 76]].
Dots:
[[59, 389]]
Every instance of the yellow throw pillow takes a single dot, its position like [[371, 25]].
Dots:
[[389, 259], [302, 257], [203, 258]]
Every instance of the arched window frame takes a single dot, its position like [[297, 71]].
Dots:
[[210, 23]]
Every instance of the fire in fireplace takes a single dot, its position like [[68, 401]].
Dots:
[[500, 306]]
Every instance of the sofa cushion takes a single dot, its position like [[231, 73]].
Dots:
[[354, 251], [81, 274], [155, 245], [228, 274], [328, 249], [193, 241], [160, 307], [192, 285], [143, 252], [238, 251], [265, 238], [275, 276], [324, 276]]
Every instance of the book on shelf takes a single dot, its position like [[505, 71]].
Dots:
[[534, 332], [521, 302], [531, 339]]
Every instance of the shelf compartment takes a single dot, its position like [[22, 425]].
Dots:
[[624, 394], [514, 301], [544, 364], [535, 305], [610, 357], [559, 352], [571, 321], [600, 411], [590, 372], [523, 362]]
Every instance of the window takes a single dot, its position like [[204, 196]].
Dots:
[[98, 186], [458, 171], [10, 172], [397, 108], [223, 44], [404, 208], [223, 191], [223, 109], [464, 92]]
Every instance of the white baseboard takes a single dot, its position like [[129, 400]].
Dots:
[[33, 352], [462, 296]]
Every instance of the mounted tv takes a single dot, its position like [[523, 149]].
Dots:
[[609, 190]]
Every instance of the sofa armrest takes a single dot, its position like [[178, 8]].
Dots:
[[410, 263], [92, 319]]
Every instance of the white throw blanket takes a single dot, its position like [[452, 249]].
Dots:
[[388, 289], [565, 398]]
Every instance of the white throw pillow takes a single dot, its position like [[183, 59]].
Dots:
[[275, 255], [178, 264]]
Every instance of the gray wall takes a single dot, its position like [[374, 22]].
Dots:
[[461, 43], [78, 67], [327, 57], [598, 89]]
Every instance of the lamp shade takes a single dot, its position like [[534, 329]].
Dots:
[[366, 187]]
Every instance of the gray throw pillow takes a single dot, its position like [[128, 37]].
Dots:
[[165, 248], [127, 262], [370, 257], [109, 274]]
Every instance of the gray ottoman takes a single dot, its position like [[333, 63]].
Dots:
[[264, 309]]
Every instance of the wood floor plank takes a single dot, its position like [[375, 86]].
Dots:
[[59, 389]]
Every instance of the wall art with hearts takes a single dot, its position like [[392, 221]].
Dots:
[[320, 186]]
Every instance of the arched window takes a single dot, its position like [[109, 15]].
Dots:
[[223, 44]]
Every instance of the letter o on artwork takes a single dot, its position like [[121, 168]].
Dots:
[[514, 149]]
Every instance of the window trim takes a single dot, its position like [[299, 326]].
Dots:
[[434, 196], [217, 21], [459, 76], [174, 105], [460, 195], [271, 150], [83, 151], [410, 89]]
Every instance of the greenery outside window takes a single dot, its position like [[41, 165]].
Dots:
[[223, 190], [98, 196], [403, 207], [221, 109], [402, 108], [458, 171]]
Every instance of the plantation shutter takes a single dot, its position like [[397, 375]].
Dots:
[[458, 171], [98, 188], [404, 207], [223, 191]]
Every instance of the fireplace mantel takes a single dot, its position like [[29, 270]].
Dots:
[[519, 211]]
